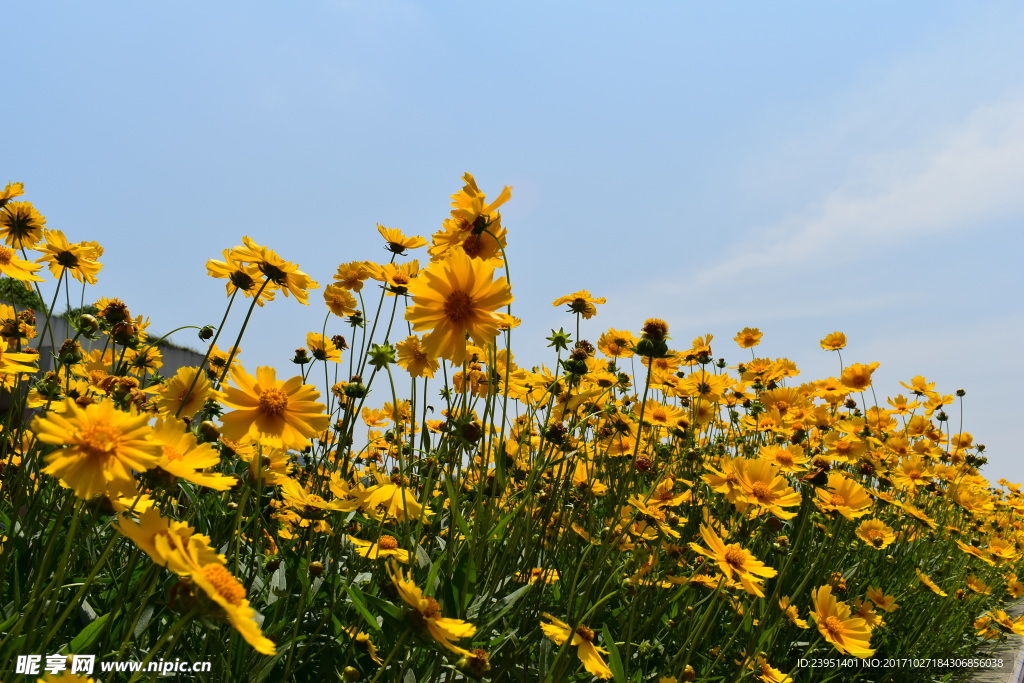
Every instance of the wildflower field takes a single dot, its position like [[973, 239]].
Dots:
[[412, 505]]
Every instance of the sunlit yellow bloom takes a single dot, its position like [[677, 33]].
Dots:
[[184, 457], [339, 300], [102, 446], [13, 363], [616, 343], [168, 542], [733, 559], [765, 489], [20, 224], [537, 575], [395, 276], [240, 275], [881, 600], [748, 337], [876, 533], [363, 640], [10, 191], [283, 412], [474, 227], [582, 639], [278, 272], [228, 594], [397, 243], [174, 397], [414, 359], [580, 303], [792, 613], [977, 585], [766, 673], [385, 546], [79, 258], [426, 614], [322, 348], [843, 495], [926, 580], [857, 377], [456, 298], [19, 269], [834, 341], [849, 635]]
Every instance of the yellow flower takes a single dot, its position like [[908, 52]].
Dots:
[[385, 546], [10, 191], [474, 227], [322, 347], [168, 542], [748, 337], [280, 273], [174, 397], [363, 640], [583, 640], [843, 495], [20, 223], [833, 341], [102, 447], [857, 377], [926, 580], [764, 488], [240, 275], [875, 533], [414, 359], [849, 635], [339, 300], [229, 595], [14, 363], [455, 298], [881, 600], [397, 243], [19, 269], [733, 559], [351, 275], [79, 258], [616, 343], [581, 303], [184, 457], [792, 613], [426, 614], [283, 413]]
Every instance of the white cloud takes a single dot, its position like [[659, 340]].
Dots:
[[971, 174]]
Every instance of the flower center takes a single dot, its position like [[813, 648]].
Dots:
[[100, 440], [387, 543], [838, 500], [784, 458], [735, 556], [834, 626], [585, 633], [761, 491], [659, 416], [458, 306], [5, 255], [224, 583], [432, 610], [273, 401], [67, 259]]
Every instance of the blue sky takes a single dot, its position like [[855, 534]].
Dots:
[[800, 167]]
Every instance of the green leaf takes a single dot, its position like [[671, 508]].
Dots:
[[614, 658], [87, 636], [356, 596]]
